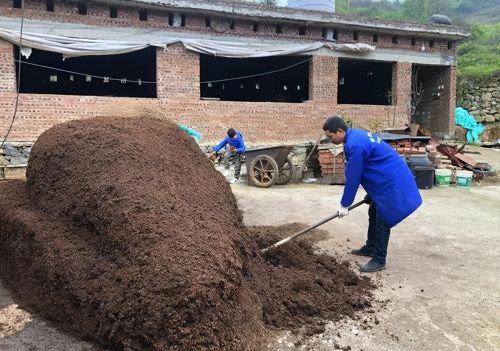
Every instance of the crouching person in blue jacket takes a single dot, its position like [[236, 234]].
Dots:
[[234, 147], [391, 188]]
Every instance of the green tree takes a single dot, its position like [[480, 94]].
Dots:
[[479, 55], [422, 9]]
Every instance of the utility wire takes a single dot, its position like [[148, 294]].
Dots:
[[151, 82], [88, 75], [18, 77], [256, 75]]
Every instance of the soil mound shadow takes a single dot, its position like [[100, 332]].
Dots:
[[125, 234]]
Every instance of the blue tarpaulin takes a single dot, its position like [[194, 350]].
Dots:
[[465, 120]]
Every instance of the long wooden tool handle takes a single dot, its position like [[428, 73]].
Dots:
[[303, 231]]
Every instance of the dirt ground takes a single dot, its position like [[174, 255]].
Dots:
[[440, 290]]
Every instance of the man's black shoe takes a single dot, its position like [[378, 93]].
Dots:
[[364, 251], [372, 266]]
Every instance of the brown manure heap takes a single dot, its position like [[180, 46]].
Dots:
[[126, 235]]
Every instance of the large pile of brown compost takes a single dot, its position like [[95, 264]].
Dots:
[[126, 235]]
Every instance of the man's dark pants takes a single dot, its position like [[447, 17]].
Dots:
[[378, 234]]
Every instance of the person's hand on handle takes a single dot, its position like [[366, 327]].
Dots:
[[342, 211]]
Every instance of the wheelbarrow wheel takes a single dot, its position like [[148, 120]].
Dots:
[[263, 171], [286, 173]]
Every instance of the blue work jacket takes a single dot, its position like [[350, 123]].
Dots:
[[384, 175], [234, 142]]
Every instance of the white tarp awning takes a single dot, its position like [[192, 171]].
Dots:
[[88, 40]]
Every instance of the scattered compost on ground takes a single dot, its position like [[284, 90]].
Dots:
[[125, 234]]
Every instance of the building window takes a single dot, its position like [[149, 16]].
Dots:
[[431, 43], [335, 34], [395, 39], [113, 12], [355, 36], [123, 75], [82, 8], [256, 26], [49, 5], [375, 38], [279, 28], [413, 42], [232, 24], [324, 33], [143, 15], [17, 4], [273, 79], [183, 20], [170, 19], [208, 22], [364, 82], [302, 31], [451, 45]]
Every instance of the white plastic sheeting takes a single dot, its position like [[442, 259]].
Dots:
[[72, 46]]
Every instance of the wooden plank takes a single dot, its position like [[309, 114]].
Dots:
[[466, 159]]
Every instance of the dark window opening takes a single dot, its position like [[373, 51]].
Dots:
[[279, 28], [364, 82], [113, 12], [208, 22], [375, 38], [17, 4], [335, 34], [49, 5], [324, 33], [143, 15], [183, 20], [82, 8], [431, 43], [450, 45], [355, 35], [302, 31], [287, 85], [413, 41], [130, 71], [232, 24], [256, 26], [395, 39], [170, 19]]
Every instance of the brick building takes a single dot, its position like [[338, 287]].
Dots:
[[279, 94]]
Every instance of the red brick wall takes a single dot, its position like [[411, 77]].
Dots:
[[179, 98], [178, 84]]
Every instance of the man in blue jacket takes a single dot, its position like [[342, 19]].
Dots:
[[234, 148], [392, 191]]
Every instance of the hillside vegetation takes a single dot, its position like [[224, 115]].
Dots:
[[460, 11], [479, 55]]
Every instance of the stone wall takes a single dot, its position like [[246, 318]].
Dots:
[[481, 97]]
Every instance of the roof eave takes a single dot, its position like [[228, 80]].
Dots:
[[264, 13]]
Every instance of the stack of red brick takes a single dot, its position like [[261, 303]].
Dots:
[[405, 147]]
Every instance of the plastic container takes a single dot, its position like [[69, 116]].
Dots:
[[443, 177], [418, 161], [424, 176], [464, 179]]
